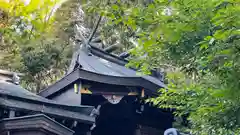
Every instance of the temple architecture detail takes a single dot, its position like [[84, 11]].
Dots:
[[25, 113], [100, 79], [99, 95]]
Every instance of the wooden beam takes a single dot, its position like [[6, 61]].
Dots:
[[97, 39], [112, 48], [51, 110], [110, 57]]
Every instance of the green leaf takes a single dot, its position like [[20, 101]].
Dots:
[[115, 7], [204, 46]]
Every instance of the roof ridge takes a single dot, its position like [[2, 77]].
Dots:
[[115, 59], [108, 56]]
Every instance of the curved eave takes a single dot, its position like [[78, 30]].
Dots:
[[18, 103], [101, 78], [119, 80]]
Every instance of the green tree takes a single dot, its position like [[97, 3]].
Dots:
[[197, 43], [30, 43]]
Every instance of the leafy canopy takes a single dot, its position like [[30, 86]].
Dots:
[[29, 41], [197, 43]]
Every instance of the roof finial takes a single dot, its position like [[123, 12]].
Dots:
[[94, 29], [86, 42], [85, 45]]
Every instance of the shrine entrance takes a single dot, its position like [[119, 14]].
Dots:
[[115, 118]]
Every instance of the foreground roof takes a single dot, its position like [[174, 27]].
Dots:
[[14, 96], [37, 123], [100, 66]]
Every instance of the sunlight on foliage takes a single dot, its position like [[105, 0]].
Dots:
[[30, 43], [196, 42], [35, 12]]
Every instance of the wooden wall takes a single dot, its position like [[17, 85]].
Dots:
[[68, 96]]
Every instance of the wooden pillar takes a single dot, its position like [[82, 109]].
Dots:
[[11, 114], [74, 124], [77, 90]]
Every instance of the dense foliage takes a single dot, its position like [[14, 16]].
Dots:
[[38, 38], [197, 43], [32, 41]]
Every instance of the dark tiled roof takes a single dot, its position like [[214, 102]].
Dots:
[[102, 63], [38, 121], [7, 88], [106, 68], [20, 98]]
